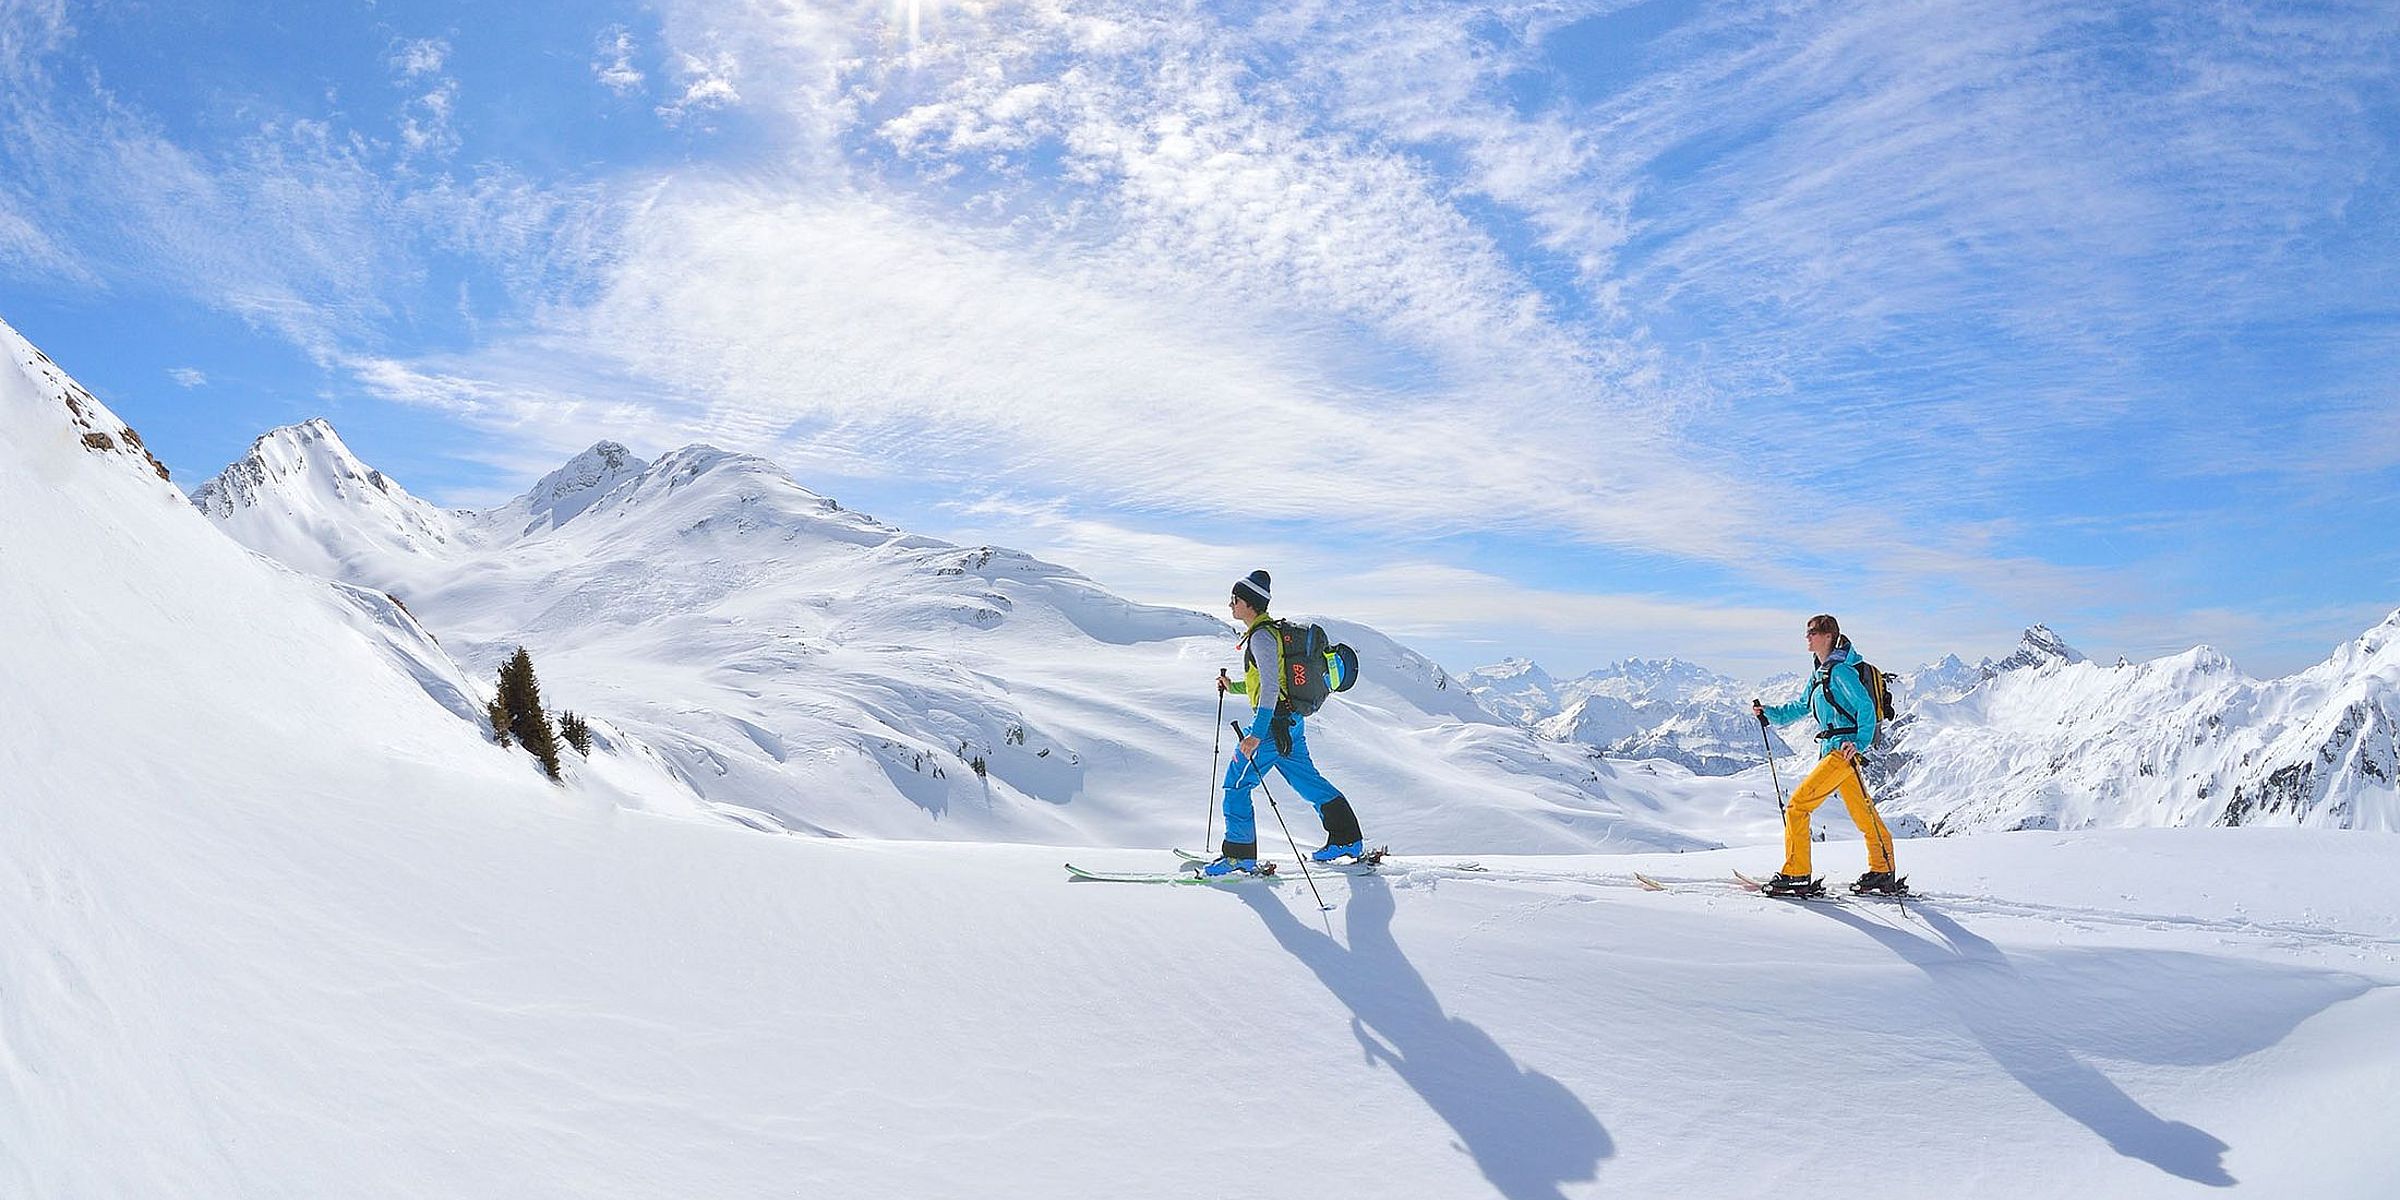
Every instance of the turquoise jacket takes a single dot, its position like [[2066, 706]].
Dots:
[[1835, 679]]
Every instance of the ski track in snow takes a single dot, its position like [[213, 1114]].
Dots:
[[1710, 888]]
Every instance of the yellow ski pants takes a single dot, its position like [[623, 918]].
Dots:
[[1833, 774]]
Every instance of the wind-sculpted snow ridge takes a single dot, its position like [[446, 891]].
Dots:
[[781, 654]]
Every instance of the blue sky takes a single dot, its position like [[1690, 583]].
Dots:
[[1572, 330]]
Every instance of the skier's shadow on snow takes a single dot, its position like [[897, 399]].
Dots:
[[2029, 1025], [1526, 1132]]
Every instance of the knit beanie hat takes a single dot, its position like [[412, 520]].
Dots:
[[1254, 589]]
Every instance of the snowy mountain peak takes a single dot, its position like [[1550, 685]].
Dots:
[[2376, 640], [302, 497], [603, 460], [1947, 679], [292, 460], [1514, 689], [1656, 672], [1508, 671], [2375, 653], [2040, 647], [50, 394], [568, 492]]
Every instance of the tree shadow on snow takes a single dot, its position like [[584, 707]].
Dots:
[[1526, 1132], [2187, 1010]]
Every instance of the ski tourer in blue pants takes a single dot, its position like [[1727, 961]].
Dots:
[[1276, 739], [1246, 772]]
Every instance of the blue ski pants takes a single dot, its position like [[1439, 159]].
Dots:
[[1246, 772]]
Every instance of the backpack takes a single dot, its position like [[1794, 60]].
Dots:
[[1879, 689], [1314, 666]]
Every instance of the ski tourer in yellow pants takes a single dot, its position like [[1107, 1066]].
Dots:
[[1845, 713], [1835, 772]]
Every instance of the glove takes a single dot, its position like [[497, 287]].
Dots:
[[1281, 728]]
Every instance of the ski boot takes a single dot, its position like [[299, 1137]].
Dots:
[[1879, 883], [1793, 885], [1342, 838], [1221, 866]]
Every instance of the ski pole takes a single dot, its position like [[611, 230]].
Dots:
[[1858, 772], [1772, 773], [1287, 835], [1209, 838]]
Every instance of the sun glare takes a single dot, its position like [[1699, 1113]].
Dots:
[[910, 14]]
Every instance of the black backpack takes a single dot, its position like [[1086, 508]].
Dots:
[[1314, 666], [1879, 688]]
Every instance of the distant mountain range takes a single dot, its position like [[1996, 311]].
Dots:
[[2041, 738]]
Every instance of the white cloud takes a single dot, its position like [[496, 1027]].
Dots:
[[879, 335], [708, 84], [187, 377], [31, 31], [419, 57], [26, 247], [304, 227], [427, 120], [614, 68], [2006, 206], [1216, 310], [426, 126]]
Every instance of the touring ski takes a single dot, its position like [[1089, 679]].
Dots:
[[1370, 860], [1897, 891], [1265, 872], [1814, 891]]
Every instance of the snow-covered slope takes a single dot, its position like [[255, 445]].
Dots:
[[274, 922], [786, 656]]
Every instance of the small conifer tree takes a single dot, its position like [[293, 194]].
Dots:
[[521, 696], [577, 732], [497, 713]]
